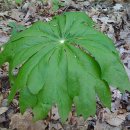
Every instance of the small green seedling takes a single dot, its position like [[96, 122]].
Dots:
[[16, 28], [63, 62], [18, 1], [56, 5]]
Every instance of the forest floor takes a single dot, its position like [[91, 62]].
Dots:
[[112, 18]]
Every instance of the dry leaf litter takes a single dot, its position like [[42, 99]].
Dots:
[[113, 19]]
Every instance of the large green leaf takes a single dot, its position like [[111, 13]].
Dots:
[[63, 61]]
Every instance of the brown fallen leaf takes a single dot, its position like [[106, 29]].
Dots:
[[3, 110], [3, 37], [105, 126], [56, 126], [55, 114], [16, 15], [25, 122], [114, 119], [31, 12]]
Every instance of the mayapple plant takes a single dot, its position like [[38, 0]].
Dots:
[[64, 61]]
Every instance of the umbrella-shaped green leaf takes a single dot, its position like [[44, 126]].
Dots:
[[63, 61]]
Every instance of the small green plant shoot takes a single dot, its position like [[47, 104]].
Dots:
[[16, 28], [63, 62]]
